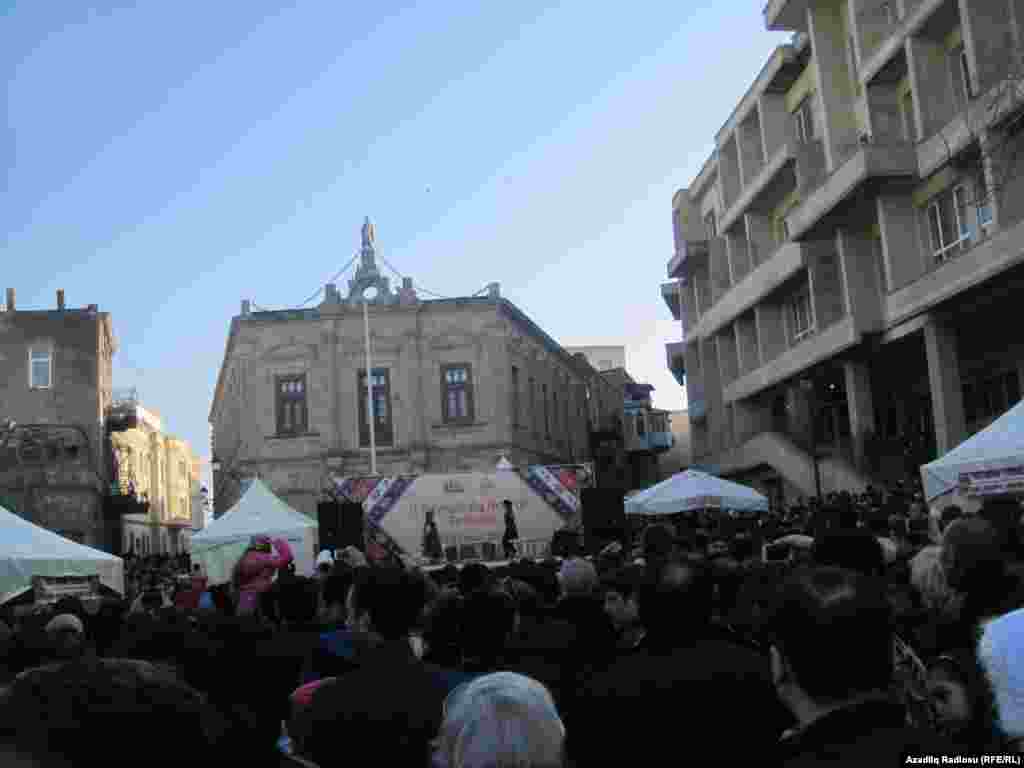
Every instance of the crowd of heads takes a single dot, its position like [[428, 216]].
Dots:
[[858, 603]]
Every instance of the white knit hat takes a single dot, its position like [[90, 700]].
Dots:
[[1001, 653]]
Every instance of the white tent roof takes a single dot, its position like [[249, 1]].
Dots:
[[997, 451], [26, 550], [694, 490], [259, 512]]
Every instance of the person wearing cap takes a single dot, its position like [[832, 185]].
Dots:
[[254, 574]]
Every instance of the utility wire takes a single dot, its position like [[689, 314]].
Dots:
[[332, 280]]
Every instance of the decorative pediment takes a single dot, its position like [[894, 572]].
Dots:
[[291, 351], [453, 338]]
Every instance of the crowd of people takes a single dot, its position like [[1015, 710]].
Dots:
[[857, 629]]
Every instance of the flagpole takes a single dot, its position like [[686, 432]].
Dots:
[[369, 389]]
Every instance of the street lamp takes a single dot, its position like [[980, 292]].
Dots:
[[369, 295]]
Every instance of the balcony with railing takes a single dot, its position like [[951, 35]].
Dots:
[[883, 31], [687, 254]]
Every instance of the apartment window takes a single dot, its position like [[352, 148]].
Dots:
[[907, 116], [514, 404], [547, 415], [457, 392], [291, 405], [961, 75], [801, 315], [533, 403], [710, 225], [881, 273], [947, 223], [983, 203], [40, 367], [804, 116], [383, 429]]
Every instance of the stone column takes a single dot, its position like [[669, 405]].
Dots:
[[860, 403], [944, 382]]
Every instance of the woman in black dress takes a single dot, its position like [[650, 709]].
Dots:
[[511, 532], [431, 538]]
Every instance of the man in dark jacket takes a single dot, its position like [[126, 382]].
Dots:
[[389, 708], [686, 676], [832, 664]]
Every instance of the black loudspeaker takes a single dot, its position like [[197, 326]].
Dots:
[[604, 516], [350, 526], [328, 517]]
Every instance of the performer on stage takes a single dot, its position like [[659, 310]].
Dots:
[[511, 537], [431, 538], [254, 573]]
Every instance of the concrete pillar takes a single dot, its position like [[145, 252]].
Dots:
[[776, 123], [751, 149], [830, 41], [944, 382], [771, 331], [750, 418], [712, 393], [761, 239], [902, 249], [860, 403], [934, 101], [863, 295]]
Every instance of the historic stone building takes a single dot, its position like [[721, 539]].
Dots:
[[55, 374], [456, 384], [159, 470]]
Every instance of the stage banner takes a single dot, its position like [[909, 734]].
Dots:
[[992, 482], [548, 483], [378, 495]]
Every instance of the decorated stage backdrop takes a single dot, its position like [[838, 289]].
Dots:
[[467, 507]]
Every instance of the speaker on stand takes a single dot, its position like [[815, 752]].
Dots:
[[351, 526], [328, 517], [604, 517]]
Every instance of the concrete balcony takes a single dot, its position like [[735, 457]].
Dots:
[[670, 293], [865, 162], [786, 15], [820, 346], [965, 128], [984, 261], [759, 185], [675, 356], [779, 267], [688, 251], [877, 56]]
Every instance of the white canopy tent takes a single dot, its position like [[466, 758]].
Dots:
[[26, 550], [692, 490], [259, 512], [989, 463]]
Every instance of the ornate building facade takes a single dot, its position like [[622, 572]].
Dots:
[[158, 469], [456, 384]]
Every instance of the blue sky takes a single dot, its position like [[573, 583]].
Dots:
[[167, 160]]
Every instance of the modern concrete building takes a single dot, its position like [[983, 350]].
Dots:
[[848, 261], [159, 468], [55, 375], [456, 383], [677, 458], [602, 358]]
